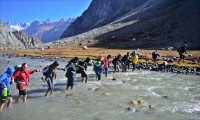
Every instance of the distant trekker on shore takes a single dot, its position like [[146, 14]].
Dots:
[[181, 52], [155, 55]]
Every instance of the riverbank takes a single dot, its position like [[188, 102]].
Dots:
[[167, 62]]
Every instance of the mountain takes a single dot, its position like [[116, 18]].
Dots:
[[138, 24], [55, 33], [27, 41], [17, 26], [38, 28], [99, 13], [16, 39], [7, 39], [48, 31]]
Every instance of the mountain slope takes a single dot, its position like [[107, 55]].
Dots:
[[27, 41], [7, 39], [99, 13], [38, 28], [147, 24], [55, 33]]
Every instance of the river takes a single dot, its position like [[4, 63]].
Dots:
[[174, 96]]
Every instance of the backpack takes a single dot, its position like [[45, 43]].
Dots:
[[17, 68], [46, 71]]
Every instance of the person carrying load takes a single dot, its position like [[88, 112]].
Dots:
[[22, 77], [5, 93], [50, 74]]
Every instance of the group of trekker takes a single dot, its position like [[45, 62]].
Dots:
[[21, 75]]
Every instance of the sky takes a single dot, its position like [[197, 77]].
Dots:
[[19, 11]]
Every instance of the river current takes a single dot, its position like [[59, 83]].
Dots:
[[173, 96]]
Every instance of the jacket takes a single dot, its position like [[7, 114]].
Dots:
[[5, 78], [23, 77]]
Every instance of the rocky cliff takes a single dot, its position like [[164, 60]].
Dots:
[[27, 41]]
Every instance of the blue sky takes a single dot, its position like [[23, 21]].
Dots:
[[16, 11]]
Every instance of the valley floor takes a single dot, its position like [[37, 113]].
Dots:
[[94, 53]]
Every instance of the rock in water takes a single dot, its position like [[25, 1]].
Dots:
[[151, 106], [134, 102], [107, 94]]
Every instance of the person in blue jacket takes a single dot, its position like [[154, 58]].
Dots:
[[5, 81]]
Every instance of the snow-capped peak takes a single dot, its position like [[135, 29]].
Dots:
[[17, 26]]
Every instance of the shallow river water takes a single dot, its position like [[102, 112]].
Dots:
[[174, 96]]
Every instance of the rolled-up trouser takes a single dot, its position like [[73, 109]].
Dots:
[[50, 83]]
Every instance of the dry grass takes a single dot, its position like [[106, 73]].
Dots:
[[69, 52]]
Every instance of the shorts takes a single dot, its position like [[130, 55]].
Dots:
[[22, 92], [50, 83], [2, 98]]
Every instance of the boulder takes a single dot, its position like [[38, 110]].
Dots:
[[151, 106], [141, 102], [165, 63], [42, 48], [85, 47], [134, 102], [170, 48]]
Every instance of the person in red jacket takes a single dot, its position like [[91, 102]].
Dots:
[[22, 77], [106, 64]]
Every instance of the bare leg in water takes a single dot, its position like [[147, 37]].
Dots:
[[24, 98], [48, 91], [9, 102], [2, 106]]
